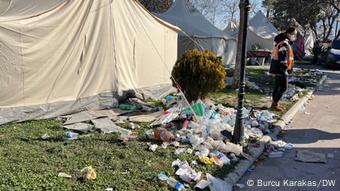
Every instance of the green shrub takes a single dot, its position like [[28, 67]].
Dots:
[[198, 73]]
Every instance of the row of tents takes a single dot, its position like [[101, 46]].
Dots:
[[62, 56]]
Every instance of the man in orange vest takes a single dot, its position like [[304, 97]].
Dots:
[[282, 64]]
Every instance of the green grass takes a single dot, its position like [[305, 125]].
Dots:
[[228, 97], [29, 163]]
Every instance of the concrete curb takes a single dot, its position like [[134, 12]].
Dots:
[[241, 168]]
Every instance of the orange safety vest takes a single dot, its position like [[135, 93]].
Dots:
[[290, 57]]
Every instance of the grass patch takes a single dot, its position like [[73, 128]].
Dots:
[[29, 163], [229, 97]]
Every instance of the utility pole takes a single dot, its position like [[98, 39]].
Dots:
[[238, 134]]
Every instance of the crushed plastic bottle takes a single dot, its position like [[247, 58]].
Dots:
[[173, 183], [162, 176], [71, 135], [162, 134]]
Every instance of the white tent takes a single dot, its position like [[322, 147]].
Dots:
[[310, 39], [198, 32], [58, 56], [261, 32]]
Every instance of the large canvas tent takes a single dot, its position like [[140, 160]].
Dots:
[[59, 56], [198, 32], [261, 32]]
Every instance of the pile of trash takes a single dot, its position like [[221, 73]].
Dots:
[[305, 78], [293, 93], [207, 128], [203, 128]]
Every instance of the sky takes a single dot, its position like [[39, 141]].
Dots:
[[221, 22]]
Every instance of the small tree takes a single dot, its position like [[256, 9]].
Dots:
[[198, 73]]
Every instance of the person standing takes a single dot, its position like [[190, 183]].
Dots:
[[282, 64]]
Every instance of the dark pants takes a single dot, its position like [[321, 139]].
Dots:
[[281, 85]]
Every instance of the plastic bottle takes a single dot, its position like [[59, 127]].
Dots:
[[71, 135], [162, 176], [213, 115], [175, 184], [162, 134], [129, 107]]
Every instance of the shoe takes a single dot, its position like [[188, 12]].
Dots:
[[275, 107], [281, 106]]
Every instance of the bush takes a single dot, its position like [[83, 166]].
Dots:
[[198, 73]]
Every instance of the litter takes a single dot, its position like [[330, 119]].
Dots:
[[128, 107], [133, 126], [254, 123], [199, 108], [189, 151], [108, 189], [165, 145], [233, 157], [176, 162], [254, 132], [179, 151], [220, 157], [289, 146], [202, 151], [202, 184], [223, 147], [194, 163], [278, 143], [153, 147], [265, 116], [186, 173], [309, 156], [71, 135], [169, 101], [162, 176], [207, 160], [162, 134], [61, 174], [195, 140], [45, 136], [175, 143], [173, 183], [218, 184], [89, 173]]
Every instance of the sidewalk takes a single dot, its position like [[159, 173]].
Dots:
[[318, 130]]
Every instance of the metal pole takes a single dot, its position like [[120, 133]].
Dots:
[[239, 129]]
